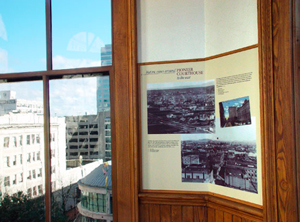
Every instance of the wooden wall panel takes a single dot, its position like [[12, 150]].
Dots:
[[176, 213], [154, 212], [165, 213], [187, 214], [200, 214], [144, 213]]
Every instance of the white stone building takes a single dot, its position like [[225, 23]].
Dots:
[[9, 103], [22, 153]]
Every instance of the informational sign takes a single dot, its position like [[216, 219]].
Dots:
[[201, 126]]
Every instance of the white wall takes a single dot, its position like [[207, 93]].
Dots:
[[170, 30], [229, 25], [177, 29]]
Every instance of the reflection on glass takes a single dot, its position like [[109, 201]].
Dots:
[[80, 135], [22, 36], [22, 144], [81, 33]]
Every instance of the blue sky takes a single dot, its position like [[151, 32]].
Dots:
[[80, 29]]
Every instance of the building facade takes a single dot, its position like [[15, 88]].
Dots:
[[22, 153], [86, 136], [9, 103]]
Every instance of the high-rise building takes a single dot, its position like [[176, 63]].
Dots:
[[106, 55], [103, 95], [107, 134], [85, 136]]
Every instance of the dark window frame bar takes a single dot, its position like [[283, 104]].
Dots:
[[45, 77]]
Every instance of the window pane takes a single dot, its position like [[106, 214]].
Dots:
[[22, 36], [81, 33], [22, 136], [79, 129]]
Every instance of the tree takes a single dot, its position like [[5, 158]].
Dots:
[[20, 207]]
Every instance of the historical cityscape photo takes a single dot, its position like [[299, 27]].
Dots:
[[235, 112], [181, 107], [230, 164]]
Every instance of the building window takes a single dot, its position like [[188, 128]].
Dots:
[[6, 181], [28, 140], [7, 161], [33, 156], [33, 138], [33, 174], [53, 169], [21, 158], [6, 142], [40, 189], [21, 178], [15, 180], [40, 173], [15, 141], [15, 160], [29, 157], [95, 202], [38, 139], [38, 155], [29, 175], [21, 140], [29, 192], [34, 191]]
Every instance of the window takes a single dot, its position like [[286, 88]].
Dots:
[[40, 173], [14, 141], [38, 139], [7, 161], [21, 140], [21, 158], [33, 138], [28, 140], [29, 157], [84, 39], [40, 189], [29, 175], [6, 142], [29, 192], [6, 181], [15, 160], [34, 191], [15, 180], [21, 178]]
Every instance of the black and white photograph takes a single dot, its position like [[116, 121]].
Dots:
[[229, 160], [181, 107], [235, 112]]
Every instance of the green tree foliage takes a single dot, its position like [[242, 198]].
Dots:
[[20, 207]]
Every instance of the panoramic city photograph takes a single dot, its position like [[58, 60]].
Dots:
[[221, 161], [181, 107]]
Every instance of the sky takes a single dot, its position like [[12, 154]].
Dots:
[[80, 29]]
